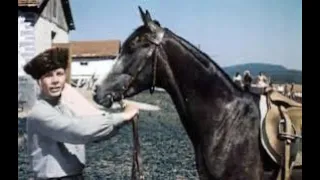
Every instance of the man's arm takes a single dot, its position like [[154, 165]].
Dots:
[[74, 130]]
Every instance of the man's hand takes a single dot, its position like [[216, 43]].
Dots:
[[130, 111]]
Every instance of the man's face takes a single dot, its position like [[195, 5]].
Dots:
[[52, 83]]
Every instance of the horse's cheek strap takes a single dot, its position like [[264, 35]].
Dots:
[[154, 70]]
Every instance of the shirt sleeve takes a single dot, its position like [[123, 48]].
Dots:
[[74, 130]]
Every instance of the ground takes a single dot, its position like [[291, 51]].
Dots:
[[165, 148]]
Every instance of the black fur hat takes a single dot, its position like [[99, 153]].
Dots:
[[47, 61]]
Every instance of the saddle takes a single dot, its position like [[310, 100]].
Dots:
[[281, 132]]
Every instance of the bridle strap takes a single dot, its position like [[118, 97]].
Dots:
[[154, 70], [142, 66]]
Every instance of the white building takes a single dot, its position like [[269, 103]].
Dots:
[[92, 58], [41, 23]]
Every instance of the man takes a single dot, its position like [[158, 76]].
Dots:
[[238, 79], [56, 134], [247, 80], [262, 80], [291, 92]]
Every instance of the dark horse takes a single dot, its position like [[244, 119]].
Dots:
[[221, 120]]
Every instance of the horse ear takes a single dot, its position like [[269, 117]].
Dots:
[[157, 23], [143, 16], [154, 26], [149, 19], [151, 22], [148, 16]]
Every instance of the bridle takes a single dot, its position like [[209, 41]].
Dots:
[[157, 46]]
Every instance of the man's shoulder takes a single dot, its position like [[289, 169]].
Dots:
[[39, 110]]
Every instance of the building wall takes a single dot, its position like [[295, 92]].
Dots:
[[43, 30], [26, 35], [27, 88], [53, 12], [97, 67], [51, 21]]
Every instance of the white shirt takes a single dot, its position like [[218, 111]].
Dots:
[[237, 78], [56, 138]]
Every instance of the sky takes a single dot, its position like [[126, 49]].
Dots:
[[229, 31]]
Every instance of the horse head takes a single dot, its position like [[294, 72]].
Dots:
[[135, 66]]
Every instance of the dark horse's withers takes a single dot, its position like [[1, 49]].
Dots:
[[221, 120]]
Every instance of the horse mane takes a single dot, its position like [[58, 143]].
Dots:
[[202, 57]]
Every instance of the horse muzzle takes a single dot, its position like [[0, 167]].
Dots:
[[112, 91], [106, 100]]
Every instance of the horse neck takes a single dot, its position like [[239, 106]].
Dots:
[[193, 84]]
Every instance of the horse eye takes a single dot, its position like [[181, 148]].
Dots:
[[142, 38], [130, 49]]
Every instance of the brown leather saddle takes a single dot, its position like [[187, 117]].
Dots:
[[281, 132]]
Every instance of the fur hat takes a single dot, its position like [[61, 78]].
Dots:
[[47, 61]]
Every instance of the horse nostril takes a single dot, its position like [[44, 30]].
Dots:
[[95, 99], [95, 94], [96, 88]]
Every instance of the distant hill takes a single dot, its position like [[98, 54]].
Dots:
[[278, 73]]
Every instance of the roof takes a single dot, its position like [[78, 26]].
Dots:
[[29, 3], [88, 49], [39, 5]]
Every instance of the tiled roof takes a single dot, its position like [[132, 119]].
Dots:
[[106, 48], [28, 3]]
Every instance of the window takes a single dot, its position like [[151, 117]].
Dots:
[[84, 63], [53, 34]]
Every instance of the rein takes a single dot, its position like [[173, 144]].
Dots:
[[137, 160]]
